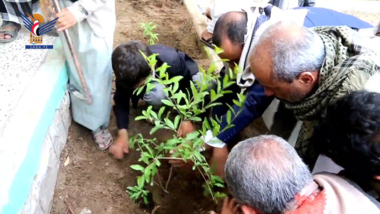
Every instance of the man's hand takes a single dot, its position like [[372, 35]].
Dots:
[[65, 19], [179, 163], [229, 207], [185, 128], [218, 160], [121, 145]]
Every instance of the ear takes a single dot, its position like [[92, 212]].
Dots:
[[248, 210], [307, 78], [377, 177]]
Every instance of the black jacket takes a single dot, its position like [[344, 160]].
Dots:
[[180, 65]]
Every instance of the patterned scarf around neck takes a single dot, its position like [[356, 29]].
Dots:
[[347, 67]]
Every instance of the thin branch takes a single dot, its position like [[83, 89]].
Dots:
[[208, 186], [162, 187], [69, 207], [170, 176], [155, 209], [169, 158]]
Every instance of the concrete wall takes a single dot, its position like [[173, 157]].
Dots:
[[35, 131]]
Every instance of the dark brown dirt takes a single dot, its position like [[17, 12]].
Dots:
[[93, 179]]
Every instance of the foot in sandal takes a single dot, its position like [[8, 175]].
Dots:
[[9, 31], [103, 138]]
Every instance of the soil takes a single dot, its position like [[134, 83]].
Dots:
[[93, 180]]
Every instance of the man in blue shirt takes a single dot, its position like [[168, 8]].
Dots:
[[229, 34]]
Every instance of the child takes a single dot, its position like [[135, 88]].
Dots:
[[131, 70], [91, 25]]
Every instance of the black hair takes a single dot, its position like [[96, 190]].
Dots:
[[349, 133], [128, 63], [231, 25]]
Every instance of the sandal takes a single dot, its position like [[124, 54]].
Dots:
[[5, 29], [103, 138], [208, 42]]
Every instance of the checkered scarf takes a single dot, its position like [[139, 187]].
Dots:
[[14, 9], [347, 67]]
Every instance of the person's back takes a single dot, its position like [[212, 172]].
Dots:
[[132, 70]]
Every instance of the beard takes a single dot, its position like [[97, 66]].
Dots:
[[296, 96]]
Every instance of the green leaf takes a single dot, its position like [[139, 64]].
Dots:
[[140, 118], [212, 105], [220, 195], [229, 117], [219, 185], [162, 109], [162, 70], [168, 103], [176, 121], [140, 181], [147, 174], [225, 81], [154, 129], [218, 50], [139, 90], [207, 124], [195, 119], [193, 89], [219, 87], [146, 200], [192, 135], [231, 109], [169, 123], [158, 163], [213, 95], [237, 103], [211, 68], [154, 115], [175, 87], [137, 168], [176, 79]]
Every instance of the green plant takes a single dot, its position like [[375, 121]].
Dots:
[[188, 106], [148, 31]]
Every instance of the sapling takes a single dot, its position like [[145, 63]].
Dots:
[[148, 31], [188, 106]]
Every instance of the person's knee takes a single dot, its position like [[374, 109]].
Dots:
[[155, 97]]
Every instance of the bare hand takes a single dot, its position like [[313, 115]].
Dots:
[[179, 163], [218, 160], [185, 128], [65, 19], [230, 206], [121, 145]]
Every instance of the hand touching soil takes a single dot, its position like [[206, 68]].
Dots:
[[121, 145]]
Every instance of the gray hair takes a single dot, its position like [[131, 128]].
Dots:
[[292, 55], [266, 173]]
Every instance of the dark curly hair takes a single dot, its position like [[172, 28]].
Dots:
[[128, 63], [349, 133]]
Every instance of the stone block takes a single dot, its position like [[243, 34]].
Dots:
[[42, 190], [64, 111], [58, 134]]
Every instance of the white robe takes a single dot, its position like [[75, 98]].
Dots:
[[92, 38]]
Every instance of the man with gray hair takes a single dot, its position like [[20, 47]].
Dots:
[[265, 175], [308, 68]]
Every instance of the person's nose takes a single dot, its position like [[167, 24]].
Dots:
[[268, 92]]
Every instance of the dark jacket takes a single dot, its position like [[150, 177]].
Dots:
[[180, 65], [256, 101]]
